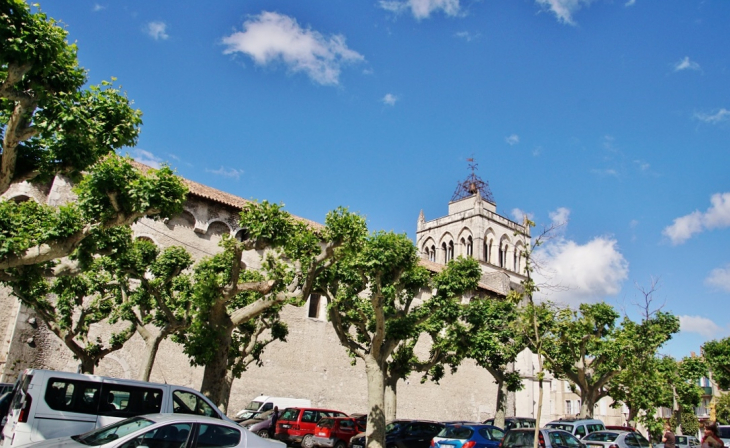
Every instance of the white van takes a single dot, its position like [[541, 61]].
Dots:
[[49, 404], [264, 403]]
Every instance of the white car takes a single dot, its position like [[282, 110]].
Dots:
[[164, 431]]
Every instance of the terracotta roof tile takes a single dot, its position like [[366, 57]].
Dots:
[[221, 197]]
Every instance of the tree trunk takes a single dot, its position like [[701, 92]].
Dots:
[[216, 384], [87, 364], [540, 376], [375, 432], [152, 344], [587, 402], [499, 413], [391, 398]]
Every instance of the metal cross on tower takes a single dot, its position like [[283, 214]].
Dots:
[[472, 185]]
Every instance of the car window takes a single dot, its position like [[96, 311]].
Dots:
[[643, 443], [570, 440], [327, 423], [680, 440], [456, 432], [555, 439], [217, 436], [72, 395], [515, 439], [347, 424], [563, 426], [290, 415], [113, 432], [601, 436], [189, 403], [595, 427], [491, 433], [309, 417], [267, 407], [169, 436], [631, 440], [580, 431], [724, 432], [127, 401], [524, 424]]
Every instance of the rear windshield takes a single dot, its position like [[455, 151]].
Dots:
[[681, 440], [113, 432], [595, 427], [290, 415], [563, 426], [326, 423], [604, 437], [21, 388], [456, 432], [724, 431], [519, 439]]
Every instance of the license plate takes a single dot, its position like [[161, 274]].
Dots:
[[286, 426], [595, 446], [320, 434], [356, 446]]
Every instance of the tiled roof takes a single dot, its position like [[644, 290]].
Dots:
[[437, 267], [221, 197]]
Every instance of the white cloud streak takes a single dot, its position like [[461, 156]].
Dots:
[[467, 36], [686, 64], [389, 99], [716, 216], [146, 157], [422, 9], [714, 118], [271, 37], [563, 9], [720, 278], [519, 215], [700, 325], [226, 172], [157, 30], [512, 139]]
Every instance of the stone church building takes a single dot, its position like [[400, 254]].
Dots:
[[313, 364]]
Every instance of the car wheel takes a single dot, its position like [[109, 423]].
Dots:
[[340, 444], [264, 433], [308, 441]]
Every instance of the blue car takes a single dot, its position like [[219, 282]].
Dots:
[[468, 436]]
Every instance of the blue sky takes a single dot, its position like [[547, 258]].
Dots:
[[612, 117]]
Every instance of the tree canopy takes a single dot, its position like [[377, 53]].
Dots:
[[717, 355]]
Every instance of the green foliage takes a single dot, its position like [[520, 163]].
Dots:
[[690, 424], [27, 224], [717, 354], [722, 409]]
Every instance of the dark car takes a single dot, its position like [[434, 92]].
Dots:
[[514, 422], [405, 434], [260, 425], [5, 387], [547, 438]]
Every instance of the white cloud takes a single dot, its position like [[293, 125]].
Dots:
[[700, 325], [605, 172], [519, 215], [717, 216], [467, 36], [573, 273], [226, 172], [157, 30], [686, 64], [643, 166], [714, 118], [422, 9], [720, 278], [98, 7], [630, 3], [146, 157], [389, 99], [563, 9], [271, 37], [560, 217], [512, 139]]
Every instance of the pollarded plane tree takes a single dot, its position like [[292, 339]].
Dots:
[[717, 355], [487, 334], [379, 299], [50, 125], [236, 306]]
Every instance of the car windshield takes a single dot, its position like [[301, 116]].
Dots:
[[254, 406], [113, 432], [290, 415], [455, 432], [518, 439], [601, 436], [724, 432], [562, 426]]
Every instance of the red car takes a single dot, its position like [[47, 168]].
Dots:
[[336, 432], [297, 425]]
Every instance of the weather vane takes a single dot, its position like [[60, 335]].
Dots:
[[472, 185]]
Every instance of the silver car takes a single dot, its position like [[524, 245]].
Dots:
[[547, 438], [615, 439], [682, 442], [164, 431]]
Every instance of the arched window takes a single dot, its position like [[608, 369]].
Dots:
[[502, 253], [433, 254], [514, 260], [489, 253], [445, 252], [469, 247], [518, 256], [463, 246], [451, 250]]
